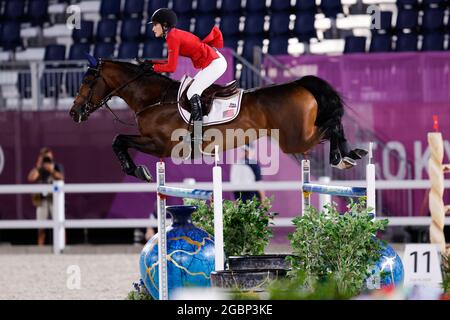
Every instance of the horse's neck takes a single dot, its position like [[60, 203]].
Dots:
[[135, 94]]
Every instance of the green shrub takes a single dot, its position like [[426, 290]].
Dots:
[[246, 225], [335, 249], [140, 292]]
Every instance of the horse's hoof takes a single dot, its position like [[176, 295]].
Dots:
[[345, 163], [335, 158], [357, 154], [142, 172]]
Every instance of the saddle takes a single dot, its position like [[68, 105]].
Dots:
[[208, 96]]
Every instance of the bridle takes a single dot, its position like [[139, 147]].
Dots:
[[89, 107]]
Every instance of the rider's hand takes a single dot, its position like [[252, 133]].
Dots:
[[147, 66]]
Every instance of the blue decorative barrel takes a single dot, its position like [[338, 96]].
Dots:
[[190, 254], [388, 271]]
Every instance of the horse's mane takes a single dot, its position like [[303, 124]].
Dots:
[[138, 68]]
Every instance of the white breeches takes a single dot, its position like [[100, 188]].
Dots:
[[206, 77]]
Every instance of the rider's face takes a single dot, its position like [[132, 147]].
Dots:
[[158, 30]]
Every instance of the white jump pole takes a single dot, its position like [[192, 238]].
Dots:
[[162, 239], [218, 214], [369, 192], [59, 232], [370, 179], [324, 199], [164, 191]]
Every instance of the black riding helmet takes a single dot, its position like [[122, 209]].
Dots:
[[166, 17]]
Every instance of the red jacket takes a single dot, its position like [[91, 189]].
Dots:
[[186, 44]]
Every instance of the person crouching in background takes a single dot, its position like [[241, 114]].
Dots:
[[45, 172]]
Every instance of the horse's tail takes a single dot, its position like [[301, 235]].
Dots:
[[330, 104]]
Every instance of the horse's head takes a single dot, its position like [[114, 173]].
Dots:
[[93, 89]]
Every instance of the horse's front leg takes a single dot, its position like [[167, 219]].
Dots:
[[121, 144]]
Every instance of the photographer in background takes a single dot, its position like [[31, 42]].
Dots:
[[45, 171]]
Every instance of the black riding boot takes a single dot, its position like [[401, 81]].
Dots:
[[196, 105], [197, 118]]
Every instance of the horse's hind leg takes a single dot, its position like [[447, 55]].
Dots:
[[121, 144], [340, 155]]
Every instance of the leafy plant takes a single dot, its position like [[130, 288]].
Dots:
[[140, 292], [246, 225], [299, 287], [338, 249]]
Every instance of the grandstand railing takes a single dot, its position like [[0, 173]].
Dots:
[[59, 189]]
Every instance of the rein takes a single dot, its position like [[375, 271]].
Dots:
[[159, 103], [104, 102]]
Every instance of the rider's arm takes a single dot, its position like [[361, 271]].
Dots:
[[173, 47]]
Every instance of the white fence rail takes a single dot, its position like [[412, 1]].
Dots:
[[59, 189]]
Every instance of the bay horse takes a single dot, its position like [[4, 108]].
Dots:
[[305, 111]]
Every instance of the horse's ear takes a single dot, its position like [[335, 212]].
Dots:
[[92, 61]]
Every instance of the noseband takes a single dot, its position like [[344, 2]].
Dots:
[[90, 107]]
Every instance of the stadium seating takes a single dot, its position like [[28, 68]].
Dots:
[[153, 49], [305, 5], [85, 33], [110, 26], [229, 25], [249, 44], [182, 7], [304, 26], [203, 25], [104, 50], [331, 8], [381, 43], [279, 24], [255, 6], [407, 19], [433, 42], [78, 51], [154, 5], [133, 9], [131, 30], [206, 7], [128, 50], [10, 36], [106, 30], [14, 11], [407, 42], [51, 79], [110, 8], [355, 44], [37, 12], [433, 20], [278, 45], [254, 24], [280, 5], [230, 6]]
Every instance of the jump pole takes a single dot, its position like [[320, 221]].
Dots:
[[216, 195]]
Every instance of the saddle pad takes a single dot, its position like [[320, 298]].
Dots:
[[223, 110]]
